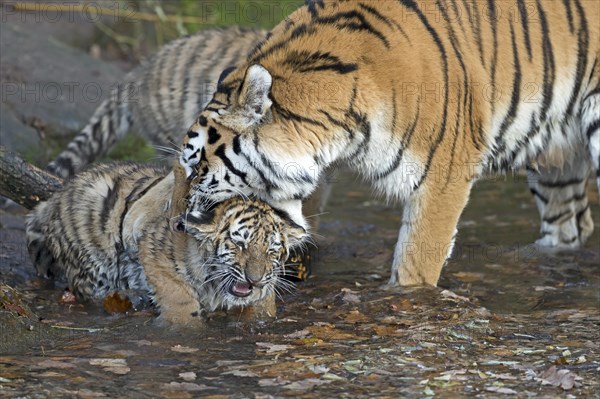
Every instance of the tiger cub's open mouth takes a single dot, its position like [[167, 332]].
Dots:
[[240, 289]]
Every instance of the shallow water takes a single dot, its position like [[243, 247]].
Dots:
[[505, 314]]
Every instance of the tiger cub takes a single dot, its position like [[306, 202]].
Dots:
[[159, 98], [112, 228], [422, 98]]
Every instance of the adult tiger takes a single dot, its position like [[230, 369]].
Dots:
[[421, 98]]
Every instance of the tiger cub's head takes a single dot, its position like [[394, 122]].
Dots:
[[244, 244]]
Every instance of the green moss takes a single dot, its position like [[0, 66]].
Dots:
[[132, 147]]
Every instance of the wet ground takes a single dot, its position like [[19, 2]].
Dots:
[[507, 320]]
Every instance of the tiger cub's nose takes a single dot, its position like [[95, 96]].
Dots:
[[255, 282], [255, 278]]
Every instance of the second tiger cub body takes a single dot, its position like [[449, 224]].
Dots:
[[111, 229]]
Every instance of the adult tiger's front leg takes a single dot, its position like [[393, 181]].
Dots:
[[426, 238]]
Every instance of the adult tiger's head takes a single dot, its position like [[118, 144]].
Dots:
[[259, 135], [243, 248]]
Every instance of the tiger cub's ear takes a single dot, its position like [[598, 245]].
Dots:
[[296, 235], [181, 189], [254, 98]]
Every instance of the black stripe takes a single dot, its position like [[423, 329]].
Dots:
[[594, 92], [549, 67], [293, 116], [173, 83], [217, 59], [389, 22], [97, 135], [236, 145], [458, 16], [312, 6], [191, 134], [575, 198], [109, 203], [220, 152], [189, 70], [525, 27], [305, 61], [476, 25], [459, 57], [472, 129], [516, 95], [213, 135], [552, 219], [592, 128], [436, 38], [353, 21], [583, 38], [567, 4], [363, 126], [339, 123], [555, 184], [538, 195], [202, 121], [130, 200], [403, 146], [494, 27]]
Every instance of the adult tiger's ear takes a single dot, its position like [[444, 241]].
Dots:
[[254, 98]]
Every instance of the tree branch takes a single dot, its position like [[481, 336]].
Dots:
[[23, 182]]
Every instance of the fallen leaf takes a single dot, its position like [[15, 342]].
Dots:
[[306, 384], [298, 334], [241, 373], [272, 348], [503, 390], [404, 304], [116, 366], [559, 378], [56, 364], [350, 296], [117, 303], [11, 307], [449, 295], [183, 349], [354, 316], [67, 298], [272, 382], [188, 376], [328, 332], [185, 386], [469, 277]]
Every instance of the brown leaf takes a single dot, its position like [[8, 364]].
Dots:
[[11, 307], [386, 331], [404, 304], [469, 277], [328, 333], [354, 316], [117, 303]]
